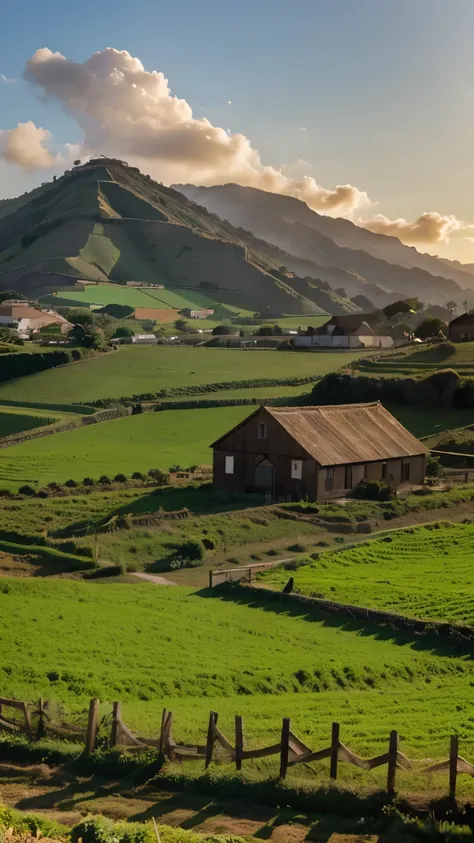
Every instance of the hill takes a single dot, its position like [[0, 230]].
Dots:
[[105, 221], [347, 256]]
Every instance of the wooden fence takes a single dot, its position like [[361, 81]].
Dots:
[[35, 722], [244, 572]]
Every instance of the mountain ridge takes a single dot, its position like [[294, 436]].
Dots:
[[329, 242]]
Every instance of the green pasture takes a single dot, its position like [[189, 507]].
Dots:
[[103, 294], [197, 651], [132, 443], [422, 572], [15, 420], [421, 361], [136, 370]]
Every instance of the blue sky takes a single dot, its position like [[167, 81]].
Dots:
[[384, 90]]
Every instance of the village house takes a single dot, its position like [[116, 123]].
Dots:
[[27, 320], [291, 453], [462, 328], [347, 331]]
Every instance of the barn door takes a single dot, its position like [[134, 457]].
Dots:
[[264, 477], [348, 477]]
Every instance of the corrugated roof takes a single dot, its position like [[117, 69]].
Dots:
[[348, 433]]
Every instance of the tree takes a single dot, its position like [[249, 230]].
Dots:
[[181, 325], [11, 294], [265, 331], [222, 330], [431, 327], [122, 331], [80, 316], [402, 306], [77, 163]]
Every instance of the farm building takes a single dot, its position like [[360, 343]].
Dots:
[[348, 331], [28, 319], [462, 328], [316, 452]]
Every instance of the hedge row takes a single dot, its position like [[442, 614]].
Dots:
[[20, 364], [206, 403], [48, 554], [203, 389], [80, 409], [443, 389], [68, 546]]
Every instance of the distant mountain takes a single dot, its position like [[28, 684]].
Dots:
[[362, 263], [106, 221]]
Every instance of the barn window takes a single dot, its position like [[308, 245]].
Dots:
[[329, 485], [262, 431], [406, 472], [384, 471], [229, 465], [296, 469]]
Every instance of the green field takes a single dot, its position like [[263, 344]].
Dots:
[[422, 361], [103, 294], [15, 421], [133, 443], [133, 371], [422, 572], [269, 662]]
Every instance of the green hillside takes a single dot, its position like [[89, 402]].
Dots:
[[106, 221], [424, 572]]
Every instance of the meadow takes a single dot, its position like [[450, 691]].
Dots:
[[15, 421], [136, 370], [103, 294], [132, 443], [420, 572], [407, 362], [197, 651]]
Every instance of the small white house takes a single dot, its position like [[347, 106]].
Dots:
[[352, 331]]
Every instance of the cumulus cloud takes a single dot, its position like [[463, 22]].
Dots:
[[26, 146], [429, 227], [127, 111]]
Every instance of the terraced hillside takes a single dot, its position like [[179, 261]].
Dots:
[[422, 572], [106, 221]]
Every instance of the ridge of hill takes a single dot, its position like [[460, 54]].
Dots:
[[363, 263], [106, 221]]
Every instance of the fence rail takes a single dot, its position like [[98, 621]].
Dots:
[[244, 572], [36, 722]]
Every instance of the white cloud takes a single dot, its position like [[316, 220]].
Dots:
[[5, 80], [26, 146], [229, 102], [429, 227], [127, 111]]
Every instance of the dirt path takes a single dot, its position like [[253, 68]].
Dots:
[[54, 794], [153, 578]]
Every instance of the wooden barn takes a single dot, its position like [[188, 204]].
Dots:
[[290, 453]]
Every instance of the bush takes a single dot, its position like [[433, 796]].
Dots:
[[137, 475], [434, 469], [71, 484], [157, 475], [88, 481], [372, 490], [120, 478], [104, 480], [192, 549], [54, 487], [296, 548], [26, 490]]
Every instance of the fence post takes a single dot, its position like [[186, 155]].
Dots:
[[28, 726], [285, 746], [92, 726], [116, 716], [164, 715], [239, 741], [211, 579], [392, 761], [334, 750], [211, 737], [453, 765]]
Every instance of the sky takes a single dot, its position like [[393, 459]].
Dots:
[[362, 108]]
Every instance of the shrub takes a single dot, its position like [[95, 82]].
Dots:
[[88, 481], [54, 487], [434, 469], [71, 484], [26, 490], [191, 549], [296, 548], [137, 475], [43, 493], [157, 475], [104, 480], [120, 478], [372, 490]]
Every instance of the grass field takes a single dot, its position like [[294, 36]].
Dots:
[[409, 362], [269, 663], [132, 371], [423, 572], [133, 443], [16, 421]]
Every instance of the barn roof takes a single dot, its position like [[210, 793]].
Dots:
[[464, 319], [348, 433]]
